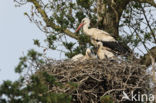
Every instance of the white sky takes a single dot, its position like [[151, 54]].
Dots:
[[16, 36]]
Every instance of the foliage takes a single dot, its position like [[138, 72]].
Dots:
[[33, 57], [36, 91], [134, 25]]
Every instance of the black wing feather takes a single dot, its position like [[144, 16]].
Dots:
[[116, 46]]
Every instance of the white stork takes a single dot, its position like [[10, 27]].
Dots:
[[81, 57], [104, 52], [97, 35]]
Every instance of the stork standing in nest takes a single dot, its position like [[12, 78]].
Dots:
[[97, 35]]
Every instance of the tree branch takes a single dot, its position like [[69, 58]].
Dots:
[[153, 69], [48, 22], [152, 33], [146, 59], [151, 2]]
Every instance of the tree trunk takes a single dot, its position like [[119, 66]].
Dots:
[[109, 13], [110, 24]]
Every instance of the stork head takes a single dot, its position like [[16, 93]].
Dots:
[[83, 22], [88, 52], [99, 44]]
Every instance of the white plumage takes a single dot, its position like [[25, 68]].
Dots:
[[77, 57], [94, 33], [97, 35], [104, 52], [81, 57]]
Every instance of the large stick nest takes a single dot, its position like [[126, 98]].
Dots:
[[97, 80]]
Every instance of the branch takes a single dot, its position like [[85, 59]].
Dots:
[[152, 33], [151, 2], [48, 22], [146, 59], [153, 69]]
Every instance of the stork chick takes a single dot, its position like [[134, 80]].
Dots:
[[77, 57], [104, 52], [81, 57]]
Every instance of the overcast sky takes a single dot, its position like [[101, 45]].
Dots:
[[16, 37]]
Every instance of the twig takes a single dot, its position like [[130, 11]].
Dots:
[[153, 69], [148, 23]]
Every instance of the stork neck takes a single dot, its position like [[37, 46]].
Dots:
[[85, 29]]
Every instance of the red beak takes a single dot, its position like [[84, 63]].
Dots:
[[79, 27]]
